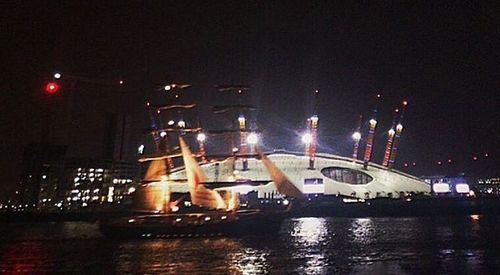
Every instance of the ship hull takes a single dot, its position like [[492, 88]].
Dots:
[[202, 224]]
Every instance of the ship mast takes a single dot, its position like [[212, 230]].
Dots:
[[243, 129]]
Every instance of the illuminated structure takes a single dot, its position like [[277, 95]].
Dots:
[[243, 140], [334, 175], [252, 140], [489, 186], [311, 139], [390, 139], [371, 133], [201, 137], [58, 183], [369, 140], [450, 186], [399, 130], [356, 136], [40, 162]]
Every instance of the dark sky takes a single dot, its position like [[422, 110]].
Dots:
[[442, 57]]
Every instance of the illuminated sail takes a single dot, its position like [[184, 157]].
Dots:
[[154, 196], [156, 170], [283, 184], [200, 195]]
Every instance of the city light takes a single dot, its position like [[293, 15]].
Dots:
[[201, 137], [441, 188], [356, 136], [52, 87], [163, 134], [462, 188], [307, 138], [253, 138], [181, 124], [57, 75]]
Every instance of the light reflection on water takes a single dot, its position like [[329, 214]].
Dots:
[[304, 246], [362, 230], [308, 235]]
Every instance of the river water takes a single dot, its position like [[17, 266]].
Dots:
[[437, 245]]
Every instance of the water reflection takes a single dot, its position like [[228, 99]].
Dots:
[[25, 258], [362, 230], [191, 256], [249, 261], [309, 235], [305, 246], [309, 231]]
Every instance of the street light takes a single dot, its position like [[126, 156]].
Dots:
[[201, 137], [252, 139], [356, 136], [307, 138]]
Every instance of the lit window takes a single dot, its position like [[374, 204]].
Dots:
[[346, 175]]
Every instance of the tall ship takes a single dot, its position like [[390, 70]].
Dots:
[[165, 210], [178, 199]]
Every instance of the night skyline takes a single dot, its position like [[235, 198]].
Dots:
[[442, 58]]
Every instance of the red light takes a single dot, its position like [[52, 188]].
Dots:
[[52, 87]]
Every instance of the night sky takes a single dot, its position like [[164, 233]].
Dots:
[[441, 57]]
